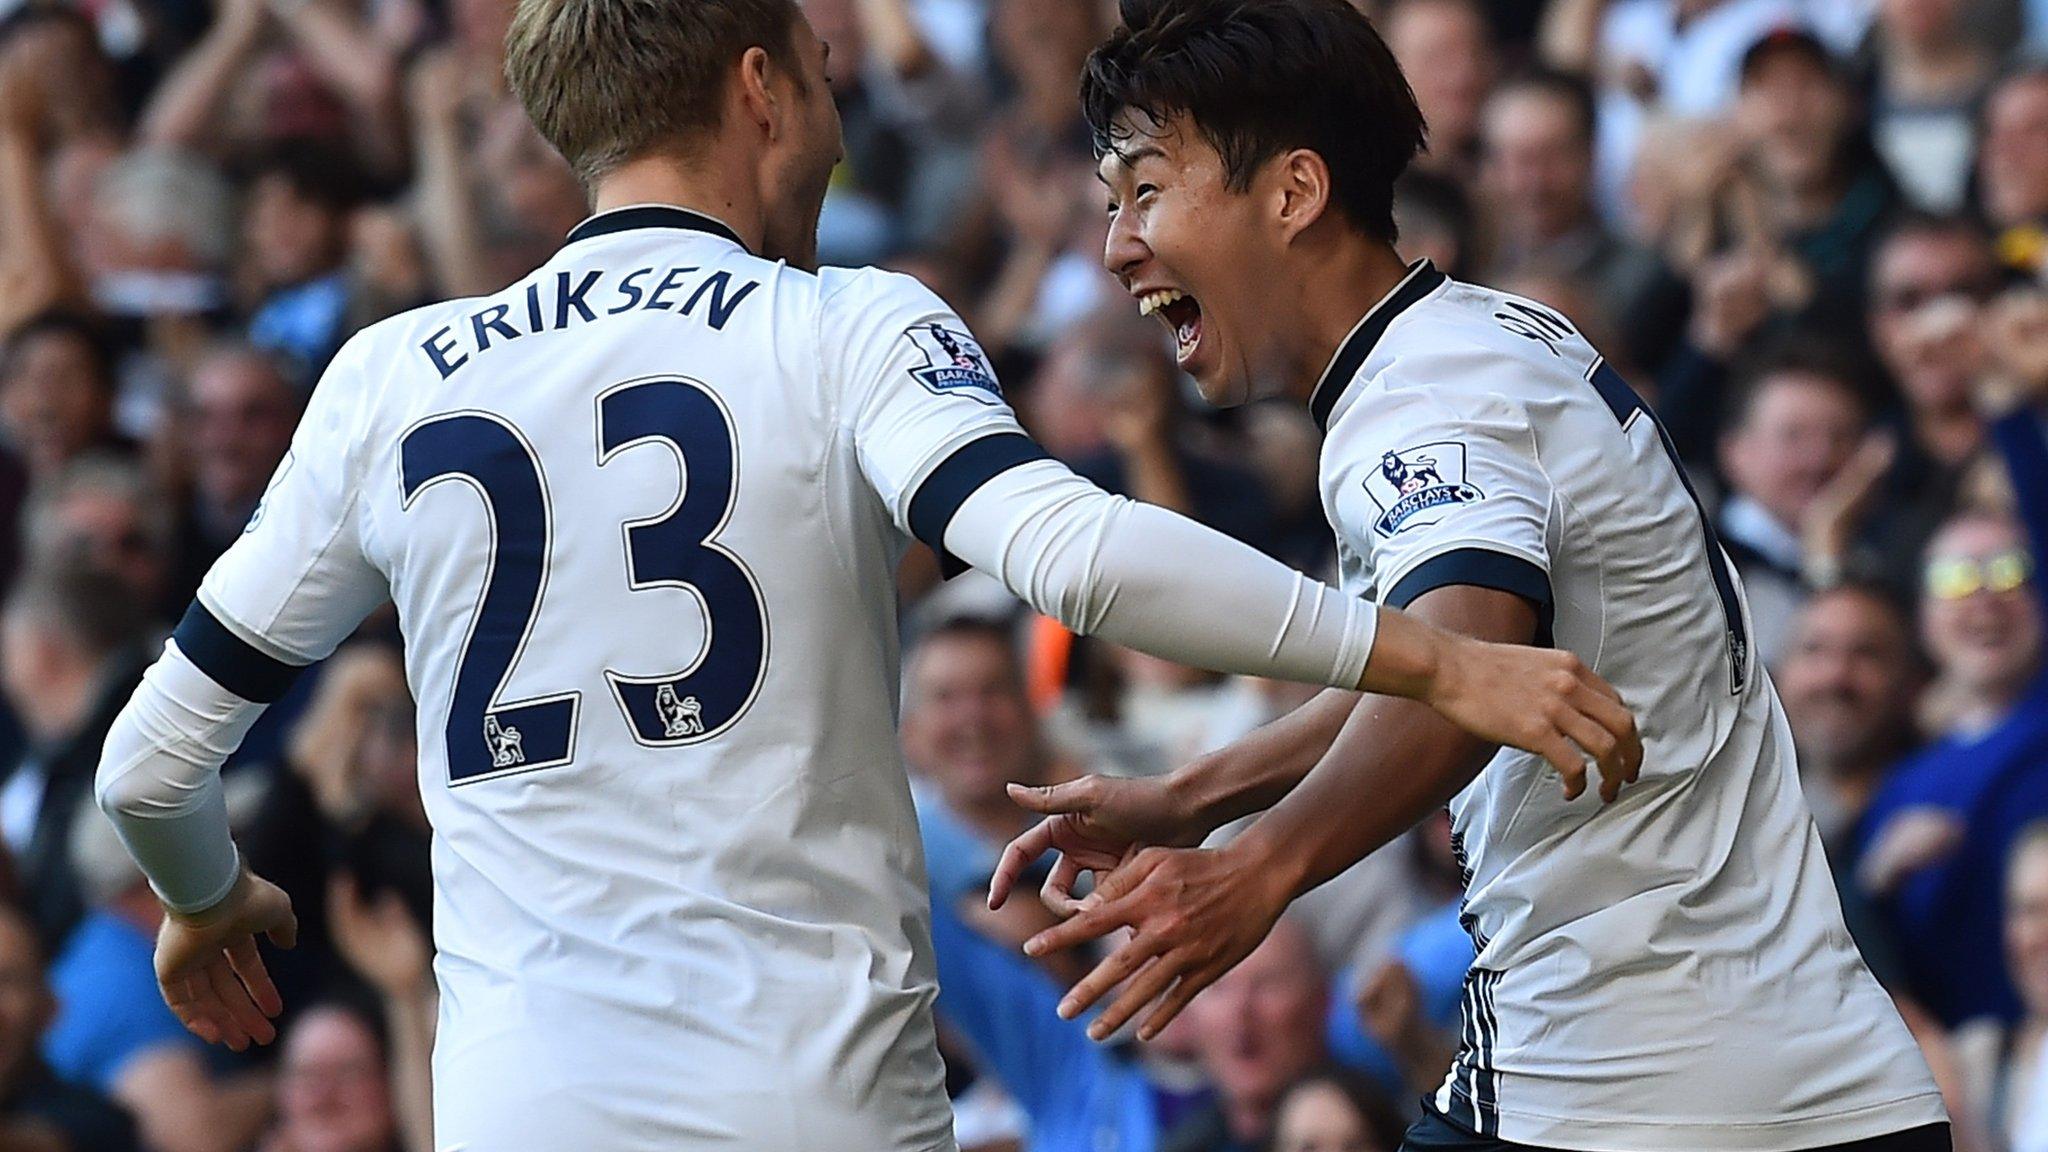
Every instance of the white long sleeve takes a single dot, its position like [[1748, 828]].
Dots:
[[1144, 577], [159, 780]]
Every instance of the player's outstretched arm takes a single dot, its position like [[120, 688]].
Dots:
[[1196, 912], [159, 782]]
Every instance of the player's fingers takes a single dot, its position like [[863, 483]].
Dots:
[[1052, 799], [1598, 743], [1058, 891], [243, 1020], [1179, 997], [185, 1004], [1017, 856], [284, 933], [1114, 970], [1570, 765], [1592, 680], [1148, 985], [1083, 926], [247, 963]]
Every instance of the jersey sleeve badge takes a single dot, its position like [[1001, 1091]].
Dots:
[[953, 363], [1415, 486]]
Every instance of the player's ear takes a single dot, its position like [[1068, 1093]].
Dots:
[[1302, 191], [757, 92]]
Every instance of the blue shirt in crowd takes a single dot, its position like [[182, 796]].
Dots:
[[108, 1008]]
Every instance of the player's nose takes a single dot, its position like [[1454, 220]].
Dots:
[[1123, 250]]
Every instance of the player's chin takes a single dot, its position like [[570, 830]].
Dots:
[[1218, 384]]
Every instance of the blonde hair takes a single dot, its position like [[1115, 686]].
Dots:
[[606, 81]]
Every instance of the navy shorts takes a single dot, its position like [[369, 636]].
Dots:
[[1433, 1133]]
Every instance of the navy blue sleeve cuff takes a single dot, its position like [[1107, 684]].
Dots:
[[1480, 568], [230, 661], [959, 476]]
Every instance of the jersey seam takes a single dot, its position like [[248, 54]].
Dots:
[[841, 554]]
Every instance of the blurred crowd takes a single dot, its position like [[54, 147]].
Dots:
[[1814, 232]]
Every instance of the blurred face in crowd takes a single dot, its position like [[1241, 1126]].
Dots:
[[1794, 114], [26, 1006], [53, 399], [333, 1090], [530, 181], [1318, 1117], [106, 528], [1849, 679], [2026, 923], [290, 237], [1260, 1026], [1922, 22], [1912, 274], [1799, 432], [837, 22], [969, 726], [1538, 165], [1045, 42], [1979, 620], [2013, 162], [1446, 49], [243, 412]]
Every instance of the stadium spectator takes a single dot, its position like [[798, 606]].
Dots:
[[113, 1032], [1446, 47], [1929, 69], [69, 657], [104, 514], [1928, 275], [1794, 424], [1849, 676], [39, 1112], [241, 407], [334, 1085], [57, 393], [1334, 1111], [2012, 168], [1536, 146], [294, 237], [1941, 829], [1999, 1063]]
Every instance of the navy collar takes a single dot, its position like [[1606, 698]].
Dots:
[[1422, 279], [616, 220]]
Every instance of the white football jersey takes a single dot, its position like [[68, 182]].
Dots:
[[1671, 971], [640, 513]]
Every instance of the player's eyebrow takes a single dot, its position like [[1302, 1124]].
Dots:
[[1128, 159]]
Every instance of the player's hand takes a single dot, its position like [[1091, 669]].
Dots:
[[1543, 701], [210, 972], [1193, 914], [1093, 823]]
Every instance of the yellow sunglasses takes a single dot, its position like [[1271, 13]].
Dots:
[[1958, 576]]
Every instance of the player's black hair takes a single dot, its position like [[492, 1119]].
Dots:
[[1260, 77], [1573, 90]]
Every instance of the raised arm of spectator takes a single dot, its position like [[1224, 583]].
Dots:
[[449, 229], [182, 112], [357, 64], [1569, 36], [384, 944], [35, 270], [895, 39]]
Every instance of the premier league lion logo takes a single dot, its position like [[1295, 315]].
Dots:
[[1416, 486], [954, 363]]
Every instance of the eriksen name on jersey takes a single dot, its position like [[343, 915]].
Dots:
[[452, 345]]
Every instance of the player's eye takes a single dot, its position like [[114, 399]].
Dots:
[[1145, 190]]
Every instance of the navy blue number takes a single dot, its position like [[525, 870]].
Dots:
[[1628, 408], [486, 734], [678, 549]]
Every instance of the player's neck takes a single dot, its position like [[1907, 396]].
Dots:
[[1333, 296], [721, 191]]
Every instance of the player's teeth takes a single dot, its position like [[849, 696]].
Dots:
[[1153, 301]]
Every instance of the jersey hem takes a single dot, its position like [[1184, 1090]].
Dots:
[[1590, 1134]]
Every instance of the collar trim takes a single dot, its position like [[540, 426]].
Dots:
[[637, 216], [1422, 279]]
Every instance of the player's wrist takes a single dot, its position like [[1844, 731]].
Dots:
[[1272, 858]]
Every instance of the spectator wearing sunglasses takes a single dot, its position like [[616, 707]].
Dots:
[[1940, 832]]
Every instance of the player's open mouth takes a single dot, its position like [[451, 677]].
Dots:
[[1180, 312]]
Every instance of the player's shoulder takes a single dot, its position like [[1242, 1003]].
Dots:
[[1450, 346], [875, 295]]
